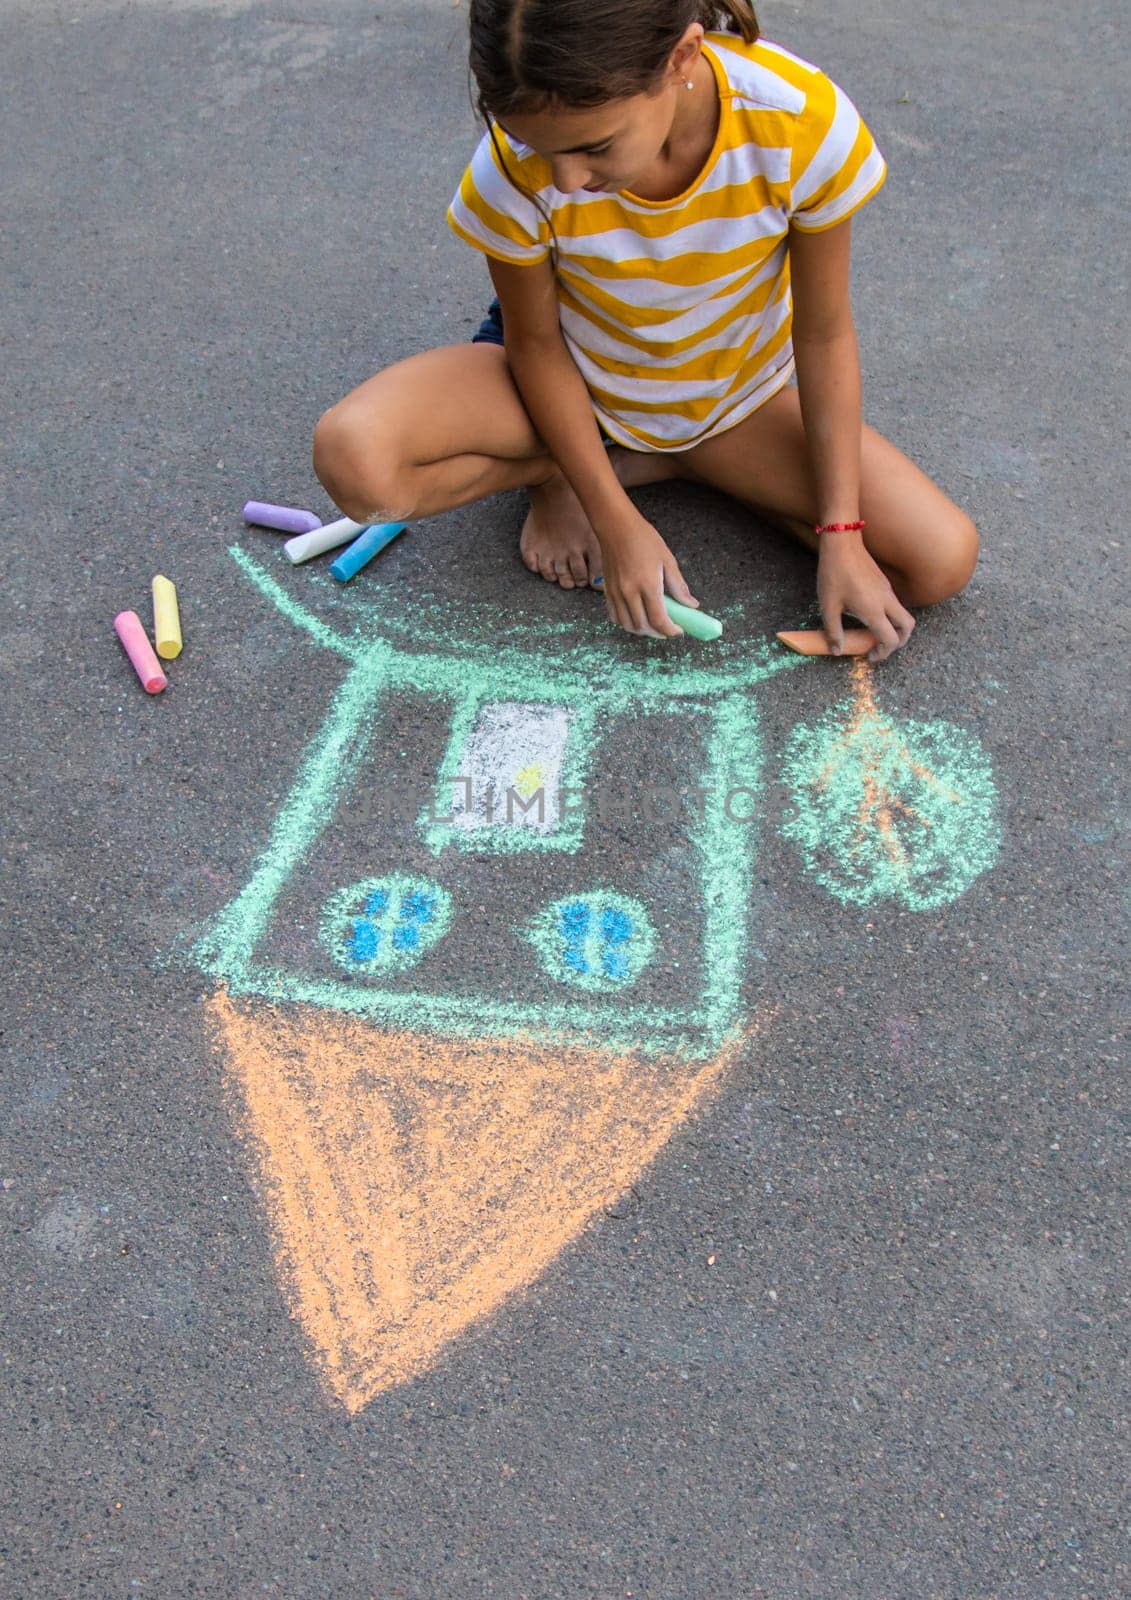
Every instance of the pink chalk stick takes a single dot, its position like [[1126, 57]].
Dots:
[[135, 641]]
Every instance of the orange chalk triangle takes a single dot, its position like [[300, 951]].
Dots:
[[413, 1183]]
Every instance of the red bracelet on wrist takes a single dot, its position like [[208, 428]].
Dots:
[[840, 527]]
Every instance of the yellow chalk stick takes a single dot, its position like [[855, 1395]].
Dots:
[[166, 618]]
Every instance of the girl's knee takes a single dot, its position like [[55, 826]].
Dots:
[[323, 446], [335, 452], [359, 469], [947, 563]]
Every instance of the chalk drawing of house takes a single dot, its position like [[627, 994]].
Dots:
[[487, 961]]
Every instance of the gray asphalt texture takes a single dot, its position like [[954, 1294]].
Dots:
[[903, 1375]]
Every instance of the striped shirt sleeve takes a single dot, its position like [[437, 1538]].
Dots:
[[835, 165], [491, 214]]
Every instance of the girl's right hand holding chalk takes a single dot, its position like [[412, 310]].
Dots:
[[638, 568]]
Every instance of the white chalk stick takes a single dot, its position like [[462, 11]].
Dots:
[[305, 545]]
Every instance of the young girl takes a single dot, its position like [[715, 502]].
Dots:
[[665, 215]]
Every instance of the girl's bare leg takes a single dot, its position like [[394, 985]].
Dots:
[[448, 427], [926, 546]]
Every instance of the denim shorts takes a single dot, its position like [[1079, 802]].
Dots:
[[491, 332], [491, 328]]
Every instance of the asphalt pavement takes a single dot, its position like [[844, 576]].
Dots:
[[850, 1324]]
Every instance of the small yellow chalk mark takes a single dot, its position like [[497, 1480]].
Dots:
[[530, 780], [413, 1183]]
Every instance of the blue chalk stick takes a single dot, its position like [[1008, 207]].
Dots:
[[367, 544]]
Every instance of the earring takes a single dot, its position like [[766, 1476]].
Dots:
[[688, 84]]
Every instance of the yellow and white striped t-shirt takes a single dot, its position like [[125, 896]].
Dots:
[[678, 312]]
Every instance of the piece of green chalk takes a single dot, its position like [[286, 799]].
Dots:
[[695, 623]]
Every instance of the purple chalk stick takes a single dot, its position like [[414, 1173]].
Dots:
[[284, 518]]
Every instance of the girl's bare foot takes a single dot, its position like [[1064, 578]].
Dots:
[[557, 539]]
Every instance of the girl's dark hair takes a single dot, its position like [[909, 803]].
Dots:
[[530, 54]]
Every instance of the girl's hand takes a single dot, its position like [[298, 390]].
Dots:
[[638, 566], [849, 580]]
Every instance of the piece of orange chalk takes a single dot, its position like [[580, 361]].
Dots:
[[814, 642]]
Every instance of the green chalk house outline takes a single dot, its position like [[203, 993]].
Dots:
[[595, 685], [581, 671]]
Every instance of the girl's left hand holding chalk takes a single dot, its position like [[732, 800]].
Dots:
[[848, 579]]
